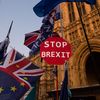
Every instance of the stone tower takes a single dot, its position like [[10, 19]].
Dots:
[[84, 64]]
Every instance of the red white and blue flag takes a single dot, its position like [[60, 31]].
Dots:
[[30, 38], [46, 31], [34, 39], [17, 76]]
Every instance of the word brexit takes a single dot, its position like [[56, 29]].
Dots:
[[55, 50]]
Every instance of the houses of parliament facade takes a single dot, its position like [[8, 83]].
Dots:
[[84, 64]]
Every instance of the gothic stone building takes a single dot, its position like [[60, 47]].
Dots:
[[84, 64]]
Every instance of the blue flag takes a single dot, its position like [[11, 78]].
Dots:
[[57, 15], [17, 76], [64, 88], [3, 48], [45, 6]]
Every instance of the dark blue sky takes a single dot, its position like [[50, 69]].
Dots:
[[21, 12]]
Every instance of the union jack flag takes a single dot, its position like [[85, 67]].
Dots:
[[46, 31], [36, 45], [17, 76], [42, 37], [30, 38], [33, 40]]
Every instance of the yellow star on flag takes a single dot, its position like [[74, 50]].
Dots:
[[1, 89], [25, 78], [13, 89]]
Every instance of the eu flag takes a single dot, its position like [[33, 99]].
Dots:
[[45, 6], [17, 76]]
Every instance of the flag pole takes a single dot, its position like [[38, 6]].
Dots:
[[61, 22], [92, 58], [6, 41], [56, 83], [9, 29], [83, 28]]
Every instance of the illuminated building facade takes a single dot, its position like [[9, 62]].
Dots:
[[84, 65]]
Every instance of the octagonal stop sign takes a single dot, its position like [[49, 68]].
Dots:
[[55, 50]]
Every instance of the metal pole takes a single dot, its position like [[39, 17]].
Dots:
[[9, 29], [92, 58], [57, 98], [83, 28]]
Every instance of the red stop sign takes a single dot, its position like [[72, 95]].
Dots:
[[55, 50]]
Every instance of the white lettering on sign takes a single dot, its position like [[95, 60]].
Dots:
[[55, 54], [57, 44]]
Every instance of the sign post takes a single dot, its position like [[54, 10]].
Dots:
[[55, 50]]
